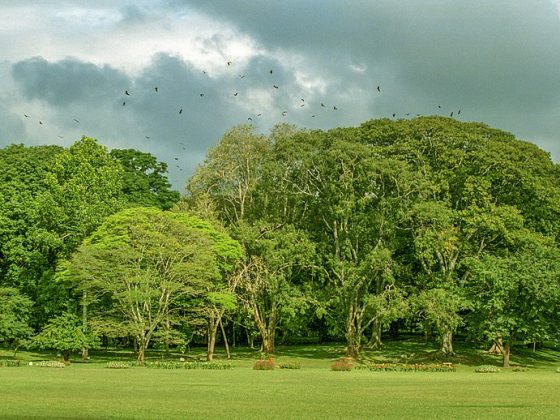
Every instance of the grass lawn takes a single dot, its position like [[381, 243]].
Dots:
[[93, 391]]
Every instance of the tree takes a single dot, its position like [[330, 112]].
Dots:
[[15, 311], [146, 262], [65, 334], [516, 296], [275, 255], [144, 179]]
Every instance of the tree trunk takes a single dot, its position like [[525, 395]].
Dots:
[[447, 343], [497, 346], [212, 331], [225, 339], [507, 353], [85, 351], [352, 338], [375, 341]]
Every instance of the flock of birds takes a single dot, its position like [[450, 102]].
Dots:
[[301, 104]]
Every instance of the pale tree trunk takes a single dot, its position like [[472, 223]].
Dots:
[[507, 353], [352, 334], [212, 331], [447, 343], [267, 328], [375, 341], [497, 346], [225, 339], [85, 351]]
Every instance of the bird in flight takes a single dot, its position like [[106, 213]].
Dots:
[[451, 115], [275, 87], [322, 104], [249, 119], [180, 111], [235, 94], [201, 95], [284, 113], [76, 120], [394, 115], [334, 108], [229, 63], [26, 116], [458, 112], [156, 89], [270, 71], [124, 103], [41, 122], [126, 93], [379, 89], [147, 137]]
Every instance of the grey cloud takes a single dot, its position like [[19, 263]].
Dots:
[[68, 81]]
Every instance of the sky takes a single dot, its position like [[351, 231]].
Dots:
[[73, 68]]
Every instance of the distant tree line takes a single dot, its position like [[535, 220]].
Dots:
[[437, 225]]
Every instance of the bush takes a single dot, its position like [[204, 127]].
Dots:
[[558, 370], [403, 367], [264, 364], [120, 365], [9, 363], [168, 364], [344, 364], [50, 363], [289, 364], [486, 369]]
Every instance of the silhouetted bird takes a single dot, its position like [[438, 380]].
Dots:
[[394, 115], [313, 116], [147, 137], [270, 71], [180, 111], [322, 104], [235, 94], [26, 116], [249, 119], [124, 103], [258, 115], [156, 89], [439, 106], [76, 120], [335, 108], [229, 63], [41, 122], [126, 93], [379, 88], [275, 87], [201, 95], [284, 113], [458, 112], [451, 115]]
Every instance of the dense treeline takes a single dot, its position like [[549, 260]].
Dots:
[[432, 223]]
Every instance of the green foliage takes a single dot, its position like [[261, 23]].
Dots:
[[64, 333], [10, 363], [289, 364], [15, 311], [166, 364], [403, 367], [144, 179]]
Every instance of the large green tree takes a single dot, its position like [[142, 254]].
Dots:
[[147, 262]]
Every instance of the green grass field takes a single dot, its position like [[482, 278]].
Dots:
[[90, 390]]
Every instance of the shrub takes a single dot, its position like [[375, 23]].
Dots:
[[9, 363], [164, 364], [264, 364], [558, 370], [486, 369], [50, 363], [403, 367], [344, 364], [289, 364], [120, 365], [208, 365]]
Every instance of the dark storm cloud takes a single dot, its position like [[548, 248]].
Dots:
[[67, 81], [496, 60]]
